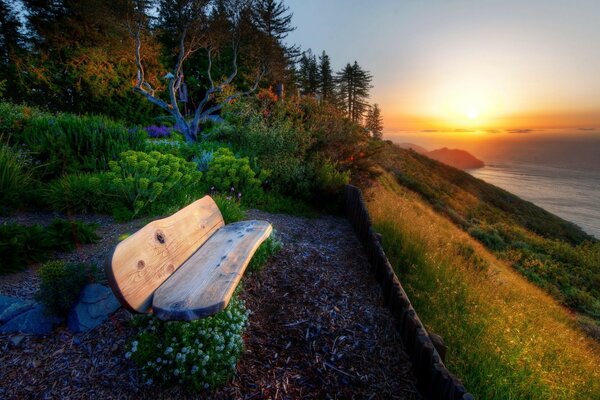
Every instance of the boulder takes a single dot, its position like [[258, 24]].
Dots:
[[36, 320], [10, 307], [95, 304]]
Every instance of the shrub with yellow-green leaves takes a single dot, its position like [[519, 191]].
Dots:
[[153, 182], [226, 171]]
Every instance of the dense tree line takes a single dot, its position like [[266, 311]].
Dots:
[[78, 56]]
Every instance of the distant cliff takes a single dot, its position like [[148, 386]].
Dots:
[[456, 158]]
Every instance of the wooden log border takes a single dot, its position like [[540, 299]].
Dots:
[[433, 378]]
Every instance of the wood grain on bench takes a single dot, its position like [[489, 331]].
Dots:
[[204, 284], [143, 261]]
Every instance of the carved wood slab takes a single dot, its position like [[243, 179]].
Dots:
[[204, 284]]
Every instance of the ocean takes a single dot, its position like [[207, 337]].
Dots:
[[572, 194]]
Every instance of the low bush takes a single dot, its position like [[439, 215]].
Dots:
[[330, 181], [79, 193], [489, 237], [153, 183], [200, 354], [230, 208], [267, 249], [68, 143], [61, 283], [13, 119], [20, 245], [158, 132], [15, 176], [226, 171]]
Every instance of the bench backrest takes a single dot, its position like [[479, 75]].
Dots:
[[143, 261]]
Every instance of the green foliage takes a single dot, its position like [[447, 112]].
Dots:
[[15, 176], [61, 283], [199, 354], [153, 182], [68, 143], [273, 202], [79, 193], [267, 249], [330, 180], [230, 208], [488, 236], [13, 118], [20, 245], [226, 172]]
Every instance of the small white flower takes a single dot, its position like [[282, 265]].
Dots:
[[128, 355], [149, 381]]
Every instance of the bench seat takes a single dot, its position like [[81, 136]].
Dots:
[[203, 285]]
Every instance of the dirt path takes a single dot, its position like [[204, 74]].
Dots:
[[318, 329]]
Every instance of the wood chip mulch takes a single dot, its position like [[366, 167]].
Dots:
[[318, 329]]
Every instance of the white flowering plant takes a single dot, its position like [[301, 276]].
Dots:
[[201, 354]]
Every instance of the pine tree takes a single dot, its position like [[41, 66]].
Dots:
[[308, 74], [326, 84], [374, 121], [273, 18], [354, 84]]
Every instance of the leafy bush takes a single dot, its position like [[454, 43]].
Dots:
[[153, 182], [13, 119], [68, 143], [226, 171], [200, 354], [267, 249], [489, 237], [330, 181], [229, 207], [15, 176], [20, 245], [79, 193], [61, 283]]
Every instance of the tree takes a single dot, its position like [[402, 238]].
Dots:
[[11, 47], [308, 74], [374, 121], [273, 18], [353, 85], [208, 26], [326, 83], [78, 60]]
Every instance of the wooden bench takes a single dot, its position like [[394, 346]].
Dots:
[[185, 266]]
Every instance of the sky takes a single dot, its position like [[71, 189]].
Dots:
[[466, 64]]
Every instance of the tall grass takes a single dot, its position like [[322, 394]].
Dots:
[[15, 176], [507, 339]]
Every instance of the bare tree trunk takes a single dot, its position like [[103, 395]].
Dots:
[[189, 128]]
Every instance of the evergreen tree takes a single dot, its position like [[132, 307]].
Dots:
[[326, 84], [374, 121], [354, 84], [11, 49], [308, 74], [273, 18]]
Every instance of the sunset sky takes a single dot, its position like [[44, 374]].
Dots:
[[467, 64]]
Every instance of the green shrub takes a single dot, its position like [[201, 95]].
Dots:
[[20, 245], [153, 182], [330, 180], [267, 249], [230, 208], [61, 283], [13, 119], [15, 176], [199, 354], [68, 143], [226, 172], [80, 193], [489, 237]]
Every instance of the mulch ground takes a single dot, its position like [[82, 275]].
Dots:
[[318, 329]]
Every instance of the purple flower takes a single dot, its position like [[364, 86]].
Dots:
[[156, 132], [239, 195]]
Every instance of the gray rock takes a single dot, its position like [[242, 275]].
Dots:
[[16, 340], [35, 321], [95, 304], [10, 307]]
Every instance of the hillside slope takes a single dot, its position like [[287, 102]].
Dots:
[[551, 252], [507, 339]]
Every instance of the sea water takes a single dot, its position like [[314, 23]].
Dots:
[[572, 194]]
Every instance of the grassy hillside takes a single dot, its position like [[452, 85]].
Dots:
[[551, 252], [507, 338]]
